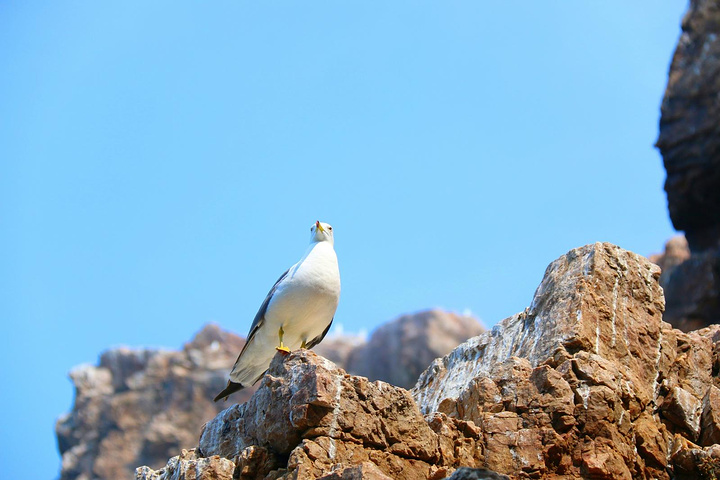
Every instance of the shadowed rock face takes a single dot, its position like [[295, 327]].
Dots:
[[690, 128], [587, 382], [691, 283]]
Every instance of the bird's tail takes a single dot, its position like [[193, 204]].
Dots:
[[231, 388]]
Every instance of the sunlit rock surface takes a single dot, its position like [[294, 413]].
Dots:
[[588, 382]]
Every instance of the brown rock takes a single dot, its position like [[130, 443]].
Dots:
[[710, 421], [589, 381], [321, 419], [400, 350], [364, 471], [692, 290], [139, 407], [187, 466]]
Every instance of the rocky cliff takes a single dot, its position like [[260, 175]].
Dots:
[[587, 382], [689, 141], [141, 406]]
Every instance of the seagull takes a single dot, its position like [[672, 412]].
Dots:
[[297, 312]]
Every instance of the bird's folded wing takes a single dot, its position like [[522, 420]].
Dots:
[[260, 315]]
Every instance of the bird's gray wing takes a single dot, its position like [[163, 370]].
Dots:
[[320, 337], [260, 315]]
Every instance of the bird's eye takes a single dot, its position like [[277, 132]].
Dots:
[[330, 228]]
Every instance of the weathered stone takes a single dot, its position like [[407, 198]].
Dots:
[[364, 471], [690, 128], [467, 473], [683, 409], [140, 406], [710, 420], [400, 350], [691, 283], [573, 385], [187, 466], [321, 419]]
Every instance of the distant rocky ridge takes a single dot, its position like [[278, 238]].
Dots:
[[141, 406], [588, 382]]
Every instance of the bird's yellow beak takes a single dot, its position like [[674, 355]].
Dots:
[[318, 226]]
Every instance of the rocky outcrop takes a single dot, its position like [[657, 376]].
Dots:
[[690, 145], [399, 351], [588, 382], [141, 406], [690, 128], [691, 282]]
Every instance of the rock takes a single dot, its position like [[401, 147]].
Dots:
[[690, 145], [689, 137], [467, 473], [364, 471], [187, 466], [691, 283], [675, 253], [142, 406], [317, 420], [710, 420], [399, 351], [588, 381]]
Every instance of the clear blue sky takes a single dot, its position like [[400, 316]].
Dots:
[[162, 162]]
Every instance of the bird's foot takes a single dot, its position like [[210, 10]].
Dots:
[[282, 348]]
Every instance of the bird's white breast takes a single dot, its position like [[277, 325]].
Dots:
[[306, 300]]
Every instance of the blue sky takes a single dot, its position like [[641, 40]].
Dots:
[[161, 164]]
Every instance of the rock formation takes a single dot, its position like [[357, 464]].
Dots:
[[588, 382], [139, 407], [690, 128], [399, 351], [691, 282], [690, 145]]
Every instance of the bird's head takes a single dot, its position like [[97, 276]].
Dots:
[[321, 232]]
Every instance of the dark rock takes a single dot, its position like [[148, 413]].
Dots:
[[690, 128], [467, 473], [691, 283]]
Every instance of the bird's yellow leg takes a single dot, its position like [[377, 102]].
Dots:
[[282, 348], [303, 344]]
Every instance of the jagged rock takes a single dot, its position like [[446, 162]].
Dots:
[[187, 466], [691, 283], [690, 128], [141, 406], [467, 473], [675, 253], [311, 419], [588, 381], [399, 351]]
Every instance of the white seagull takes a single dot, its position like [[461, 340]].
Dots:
[[297, 312]]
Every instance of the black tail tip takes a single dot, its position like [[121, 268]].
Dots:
[[231, 388]]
